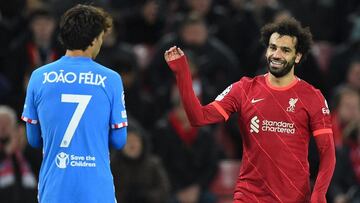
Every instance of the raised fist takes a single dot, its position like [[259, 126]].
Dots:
[[173, 53]]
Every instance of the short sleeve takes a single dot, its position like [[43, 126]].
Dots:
[[29, 114], [118, 111], [228, 101], [320, 119]]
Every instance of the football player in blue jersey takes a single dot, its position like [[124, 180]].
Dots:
[[75, 109]]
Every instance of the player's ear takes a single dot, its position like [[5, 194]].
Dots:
[[298, 57], [92, 43], [97, 38]]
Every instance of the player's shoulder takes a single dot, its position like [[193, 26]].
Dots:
[[307, 89], [311, 96], [250, 80], [241, 85], [246, 82], [38, 72]]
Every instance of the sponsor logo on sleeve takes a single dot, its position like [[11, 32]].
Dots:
[[123, 114], [325, 110], [223, 94], [123, 98]]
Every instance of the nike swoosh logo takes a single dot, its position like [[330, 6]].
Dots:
[[253, 101]]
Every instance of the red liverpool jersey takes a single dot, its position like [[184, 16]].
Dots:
[[276, 125]]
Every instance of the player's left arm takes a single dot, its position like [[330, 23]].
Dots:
[[29, 115], [325, 145], [118, 138], [118, 118], [322, 131]]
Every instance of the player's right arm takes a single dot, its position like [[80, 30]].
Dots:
[[118, 118], [33, 134], [197, 114], [29, 115]]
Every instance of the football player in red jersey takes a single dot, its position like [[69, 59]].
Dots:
[[278, 113]]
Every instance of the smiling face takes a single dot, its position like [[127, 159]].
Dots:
[[281, 54]]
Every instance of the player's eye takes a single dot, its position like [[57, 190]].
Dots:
[[286, 50], [272, 47]]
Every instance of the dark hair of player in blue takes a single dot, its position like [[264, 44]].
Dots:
[[290, 27], [80, 25]]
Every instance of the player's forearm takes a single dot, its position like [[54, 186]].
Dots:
[[326, 150], [197, 114], [33, 134], [191, 103]]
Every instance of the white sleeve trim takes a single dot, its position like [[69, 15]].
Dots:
[[28, 120], [119, 125]]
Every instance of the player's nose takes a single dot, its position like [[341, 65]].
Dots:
[[277, 53]]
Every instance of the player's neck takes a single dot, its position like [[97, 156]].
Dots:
[[78, 53], [281, 81]]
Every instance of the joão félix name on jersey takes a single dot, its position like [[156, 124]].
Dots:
[[87, 78]]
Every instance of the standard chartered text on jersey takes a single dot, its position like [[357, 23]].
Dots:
[[87, 78]]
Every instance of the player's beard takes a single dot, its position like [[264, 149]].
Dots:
[[284, 70]]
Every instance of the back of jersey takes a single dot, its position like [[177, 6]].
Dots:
[[76, 102]]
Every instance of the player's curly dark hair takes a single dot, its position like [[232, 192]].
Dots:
[[80, 25], [290, 27]]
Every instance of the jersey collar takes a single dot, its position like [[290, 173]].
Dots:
[[292, 84]]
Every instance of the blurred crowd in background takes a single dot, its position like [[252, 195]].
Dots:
[[166, 160]]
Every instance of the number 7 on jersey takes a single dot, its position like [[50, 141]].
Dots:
[[82, 101]]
